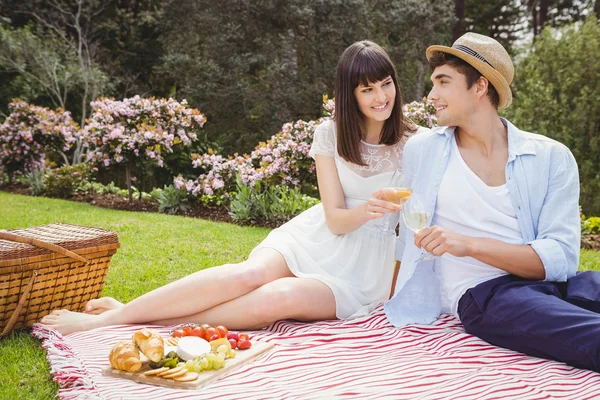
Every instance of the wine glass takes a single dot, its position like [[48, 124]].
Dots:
[[395, 193], [415, 218]]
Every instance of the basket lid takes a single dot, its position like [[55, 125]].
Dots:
[[70, 237]]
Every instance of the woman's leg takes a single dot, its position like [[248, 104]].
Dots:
[[187, 296], [98, 306], [303, 299]]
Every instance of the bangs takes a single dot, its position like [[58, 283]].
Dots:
[[370, 66]]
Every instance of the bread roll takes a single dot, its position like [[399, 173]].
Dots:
[[150, 343], [125, 356]]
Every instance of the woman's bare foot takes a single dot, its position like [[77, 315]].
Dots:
[[67, 322], [98, 306]]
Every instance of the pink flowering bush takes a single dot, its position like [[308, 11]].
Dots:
[[30, 133], [137, 130], [421, 113], [283, 160]]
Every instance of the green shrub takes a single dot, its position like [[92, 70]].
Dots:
[[64, 181], [557, 94], [3, 177], [214, 200], [173, 200], [35, 181], [267, 203], [590, 225]]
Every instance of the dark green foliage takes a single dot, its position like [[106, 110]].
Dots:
[[268, 203], [248, 66], [558, 95]]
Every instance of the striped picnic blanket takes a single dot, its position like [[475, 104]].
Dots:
[[364, 358]]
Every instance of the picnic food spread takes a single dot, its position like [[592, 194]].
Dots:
[[125, 356], [190, 350], [150, 343]]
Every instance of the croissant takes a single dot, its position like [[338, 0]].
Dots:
[[125, 356], [150, 343]]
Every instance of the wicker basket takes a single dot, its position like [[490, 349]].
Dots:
[[50, 267]]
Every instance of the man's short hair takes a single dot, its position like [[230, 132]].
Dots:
[[438, 59]]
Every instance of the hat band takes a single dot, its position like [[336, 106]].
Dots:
[[473, 53]]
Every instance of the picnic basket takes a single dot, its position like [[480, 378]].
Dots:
[[50, 267]]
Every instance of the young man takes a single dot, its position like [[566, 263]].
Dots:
[[504, 219]]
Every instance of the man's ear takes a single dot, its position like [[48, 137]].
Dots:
[[482, 86]]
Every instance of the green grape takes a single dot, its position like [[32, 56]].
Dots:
[[189, 365], [222, 349], [204, 363]]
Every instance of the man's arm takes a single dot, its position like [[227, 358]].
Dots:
[[558, 239], [521, 260], [553, 255]]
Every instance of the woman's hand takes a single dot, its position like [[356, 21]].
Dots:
[[377, 206]]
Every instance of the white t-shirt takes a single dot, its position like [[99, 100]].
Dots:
[[468, 206]]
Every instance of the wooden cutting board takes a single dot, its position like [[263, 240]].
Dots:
[[242, 357]]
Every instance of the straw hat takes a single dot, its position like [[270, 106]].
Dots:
[[488, 57]]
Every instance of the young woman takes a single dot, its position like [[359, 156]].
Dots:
[[332, 261]]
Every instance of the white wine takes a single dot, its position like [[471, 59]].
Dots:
[[415, 221]]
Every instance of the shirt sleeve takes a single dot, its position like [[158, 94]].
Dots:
[[324, 140], [558, 237]]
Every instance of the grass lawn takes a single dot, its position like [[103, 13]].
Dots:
[[155, 249]]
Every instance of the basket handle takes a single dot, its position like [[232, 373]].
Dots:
[[15, 315], [39, 243]]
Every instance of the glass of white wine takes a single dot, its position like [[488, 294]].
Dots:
[[395, 193], [415, 218]]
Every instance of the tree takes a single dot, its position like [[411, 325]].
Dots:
[[251, 65], [45, 65], [557, 12], [558, 95]]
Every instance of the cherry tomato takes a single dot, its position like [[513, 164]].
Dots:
[[222, 331], [197, 331], [205, 327], [233, 335], [243, 336], [178, 333], [210, 332], [187, 330], [244, 344], [233, 343]]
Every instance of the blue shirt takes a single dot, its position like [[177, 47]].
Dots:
[[543, 182]]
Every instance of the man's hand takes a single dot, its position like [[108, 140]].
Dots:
[[437, 241]]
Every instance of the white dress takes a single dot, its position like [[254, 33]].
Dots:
[[357, 266]]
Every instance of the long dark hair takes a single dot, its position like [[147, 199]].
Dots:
[[364, 63]]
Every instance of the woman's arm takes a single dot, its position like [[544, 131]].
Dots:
[[341, 220]]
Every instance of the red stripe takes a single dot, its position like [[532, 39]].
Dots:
[[356, 359]]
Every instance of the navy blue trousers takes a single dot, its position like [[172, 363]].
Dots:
[[554, 320]]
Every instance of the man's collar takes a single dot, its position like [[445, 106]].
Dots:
[[518, 142]]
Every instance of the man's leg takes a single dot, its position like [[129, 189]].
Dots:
[[583, 290], [532, 317]]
